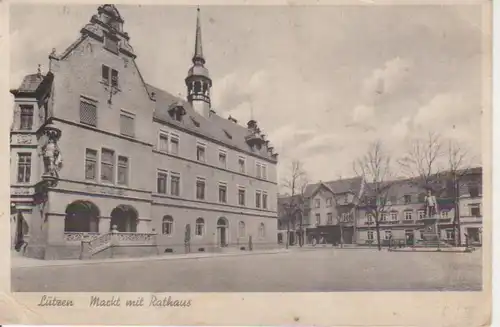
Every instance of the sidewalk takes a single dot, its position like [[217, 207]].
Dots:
[[18, 261]]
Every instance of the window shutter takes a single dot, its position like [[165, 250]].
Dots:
[[88, 113]]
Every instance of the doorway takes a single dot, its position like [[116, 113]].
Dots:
[[125, 218], [222, 225]]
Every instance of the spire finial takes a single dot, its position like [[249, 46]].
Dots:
[[198, 48]]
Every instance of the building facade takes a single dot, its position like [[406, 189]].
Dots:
[[332, 211], [95, 148], [403, 218], [337, 212]]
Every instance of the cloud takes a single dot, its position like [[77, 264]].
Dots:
[[443, 110], [362, 113], [387, 79]]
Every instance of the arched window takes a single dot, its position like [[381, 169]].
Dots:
[[241, 229], [168, 225], [262, 230], [200, 227]]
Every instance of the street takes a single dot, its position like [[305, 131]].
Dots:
[[317, 270]]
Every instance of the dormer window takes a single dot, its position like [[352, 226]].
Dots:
[[111, 44], [176, 111]]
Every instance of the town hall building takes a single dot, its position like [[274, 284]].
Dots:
[[103, 163]]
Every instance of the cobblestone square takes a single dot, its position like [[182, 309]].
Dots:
[[299, 270]]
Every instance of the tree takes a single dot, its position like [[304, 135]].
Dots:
[[293, 206], [375, 169], [458, 167], [438, 164], [421, 162]]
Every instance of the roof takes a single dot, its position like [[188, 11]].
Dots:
[[31, 83], [339, 186], [219, 129]]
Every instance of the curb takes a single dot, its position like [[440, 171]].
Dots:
[[47, 263]]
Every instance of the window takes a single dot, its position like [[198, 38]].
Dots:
[[262, 230], [421, 197], [408, 215], [241, 229], [111, 44], [407, 198], [369, 217], [90, 164], [163, 144], [114, 78], [394, 216], [258, 195], [88, 112], [383, 216], [200, 188], [222, 192], [450, 234], [475, 210], [122, 170], [317, 203], [127, 124], [444, 214], [387, 234], [241, 196], [109, 76], [260, 170], [473, 191], [264, 200], [107, 166], [200, 153], [241, 165], [421, 214], [346, 198], [168, 225], [222, 159], [329, 202], [329, 218], [318, 219], [23, 167], [174, 144], [105, 74], [26, 118], [369, 235], [161, 183], [175, 184], [200, 227]]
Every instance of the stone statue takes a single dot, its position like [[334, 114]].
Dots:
[[52, 158], [431, 204]]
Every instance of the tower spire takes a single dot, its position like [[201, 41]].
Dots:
[[198, 48], [198, 81]]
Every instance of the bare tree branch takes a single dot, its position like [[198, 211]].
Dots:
[[295, 184], [375, 167]]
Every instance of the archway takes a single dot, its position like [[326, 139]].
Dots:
[[125, 217], [222, 226], [82, 216]]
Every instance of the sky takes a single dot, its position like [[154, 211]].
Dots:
[[323, 82]]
